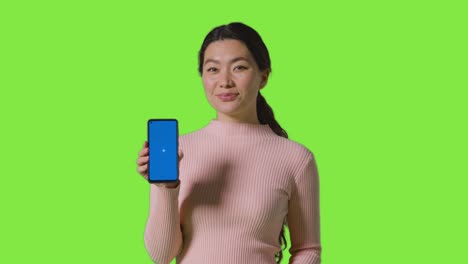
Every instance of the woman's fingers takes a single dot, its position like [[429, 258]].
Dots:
[[142, 160], [143, 152], [143, 169]]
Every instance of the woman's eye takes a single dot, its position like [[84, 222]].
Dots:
[[242, 67], [209, 69]]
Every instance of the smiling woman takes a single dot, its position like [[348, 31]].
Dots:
[[241, 179], [231, 75]]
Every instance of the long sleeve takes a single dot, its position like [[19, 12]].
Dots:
[[163, 236], [304, 215], [238, 183]]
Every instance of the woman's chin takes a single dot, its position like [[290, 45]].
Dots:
[[226, 106], [229, 110]]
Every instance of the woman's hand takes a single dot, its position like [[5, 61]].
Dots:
[[142, 163]]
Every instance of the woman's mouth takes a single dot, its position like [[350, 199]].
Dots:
[[227, 97]]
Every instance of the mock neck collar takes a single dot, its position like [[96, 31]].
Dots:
[[229, 129]]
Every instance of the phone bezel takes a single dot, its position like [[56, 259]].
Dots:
[[177, 148]]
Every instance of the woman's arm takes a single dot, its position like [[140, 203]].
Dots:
[[163, 236], [304, 215]]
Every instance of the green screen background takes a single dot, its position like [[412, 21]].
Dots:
[[375, 89]]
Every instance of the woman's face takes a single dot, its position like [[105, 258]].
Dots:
[[228, 67]]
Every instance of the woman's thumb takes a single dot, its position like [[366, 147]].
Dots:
[[181, 154]]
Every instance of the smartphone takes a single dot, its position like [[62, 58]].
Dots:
[[163, 146]]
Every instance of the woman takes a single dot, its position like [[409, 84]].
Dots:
[[241, 178]]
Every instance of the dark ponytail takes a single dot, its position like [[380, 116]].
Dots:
[[258, 49], [266, 116]]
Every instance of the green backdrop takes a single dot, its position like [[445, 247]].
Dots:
[[375, 89]]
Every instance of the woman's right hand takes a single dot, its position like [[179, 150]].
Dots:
[[142, 163]]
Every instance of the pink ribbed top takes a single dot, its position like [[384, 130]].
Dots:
[[238, 183]]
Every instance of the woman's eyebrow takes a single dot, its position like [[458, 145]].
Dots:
[[232, 61]]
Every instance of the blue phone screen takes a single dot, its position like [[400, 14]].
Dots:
[[162, 150]]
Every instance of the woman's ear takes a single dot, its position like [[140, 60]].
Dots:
[[264, 80]]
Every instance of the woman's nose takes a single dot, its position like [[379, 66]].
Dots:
[[225, 80]]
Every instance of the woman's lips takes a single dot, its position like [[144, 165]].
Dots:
[[227, 97]]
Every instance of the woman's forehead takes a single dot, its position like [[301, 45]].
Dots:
[[226, 50]]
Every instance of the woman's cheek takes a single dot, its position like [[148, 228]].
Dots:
[[207, 82]]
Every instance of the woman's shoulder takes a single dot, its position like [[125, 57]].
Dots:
[[289, 152], [294, 146]]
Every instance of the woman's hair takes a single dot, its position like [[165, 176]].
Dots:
[[258, 49]]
